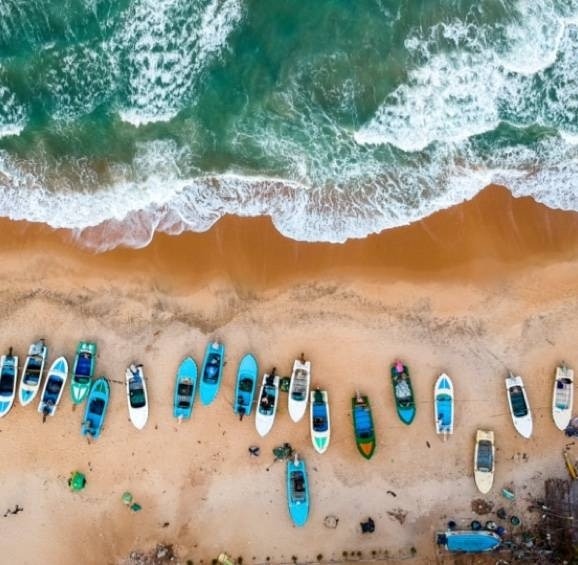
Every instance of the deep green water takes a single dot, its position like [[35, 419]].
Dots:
[[337, 118]]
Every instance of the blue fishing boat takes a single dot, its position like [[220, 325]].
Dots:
[[246, 383], [403, 392], [212, 372], [444, 405], [82, 371], [319, 420], [185, 389], [297, 491], [53, 387], [95, 408], [469, 541], [8, 378], [363, 425]]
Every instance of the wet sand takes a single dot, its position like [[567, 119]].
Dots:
[[474, 290]]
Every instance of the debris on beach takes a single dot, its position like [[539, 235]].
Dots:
[[367, 527], [331, 521], [17, 509], [481, 506], [392, 493], [162, 554], [128, 501], [398, 514], [76, 481], [254, 450]]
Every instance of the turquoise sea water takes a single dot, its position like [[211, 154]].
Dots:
[[338, 118]]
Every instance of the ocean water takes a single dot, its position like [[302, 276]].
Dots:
[[336, 118]]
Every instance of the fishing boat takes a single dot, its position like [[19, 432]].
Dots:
[[247, 374], [563, 397], [299, 388], [469, 541], [403, 392], [297, 491], [53, 387], [519, 406], [82, 371], [444, 405], [484, 460], [211, 372], [185, 384], [95, 408], [363, 425], [8, 378], [319, 420], [136, 394], [267, 406], [32, 372]]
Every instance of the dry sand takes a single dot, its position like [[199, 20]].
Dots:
[[487, 285]]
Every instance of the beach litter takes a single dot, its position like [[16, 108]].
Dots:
[[254, 450], [76, 481], [331, 521], [282, 452], [367, 527], [398, 514], [17, 509], [481, 506], [127, 500], [509, 494]]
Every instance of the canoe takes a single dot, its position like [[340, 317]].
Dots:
[[82, 371], [469, 541], [563, 397], [484, 460], [211, 372], [519, 406], [319, 420], [444, 405], [297, 491], [267, 405], [403, 392], [32, 372], [8, 378], [95, 408], [299, 388], [247, 374], [53, 387], [363, 425], [136, 395], [185, 384]]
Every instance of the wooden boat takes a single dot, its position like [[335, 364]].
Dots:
[[444, 405], [95, 408], [469, 541], [185, 385], [363, 425], [247, 374], [267, 406], [403, 392], [211, 372], [32, 372], [82, 371], [484, 460], [297, 491], [8, 378], [563, 397], [299, 388], [519, 406], [53, 387], [319, 420], [136, 394], [570, 466]]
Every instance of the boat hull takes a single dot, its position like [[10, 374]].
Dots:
[[405, 406], [8, 382], [523, 423], [138, 414], [363, 426], [484, 476], [297, 492], [563, 397], [265, 417], [82, 371], [469, 541], [247, 375], [319, 420], [96, 408], [186, 378], [211, 372], [299, 389], [444, 405], [32, 373], [54, 385]]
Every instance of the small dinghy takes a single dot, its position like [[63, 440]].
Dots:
[[53, 387], [136, 394], [8, 378], [563, 398], [32, 372], [297, 491], [82, 371], [469, 541], [444, 405], [484, 460], [95, 408], [519, 406], [247, 374], [211, 372], [299, 388], [185, 389], [267, 406], [403, 392], [363, 425], [320, 422]]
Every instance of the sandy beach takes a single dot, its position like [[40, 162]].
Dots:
[[474, 290]]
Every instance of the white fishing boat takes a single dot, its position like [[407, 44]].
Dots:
[[8, 378], [444, 405], [299, 388], [319, 420], [519, 406], [53, 387], [484, 460], [267, 404], [136, 395], [563, 397], [32, 372]]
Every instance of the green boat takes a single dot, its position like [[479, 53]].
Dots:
[[363, 425], [82, 371], [403, 392]]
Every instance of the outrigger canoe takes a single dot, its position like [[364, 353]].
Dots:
[[319, 420], [519, 406], [484, 460], [247, 375], [8, 378], [444, 405], [363, 425], [297, 491], [32, 372], [82, 371], [95, 408], [403, 392], [211, 372], [563, 398], [53, 387], [299, 388], [136, 394], [185, 386], [267, 405]]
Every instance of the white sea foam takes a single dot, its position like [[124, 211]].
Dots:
[[13, 115]]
